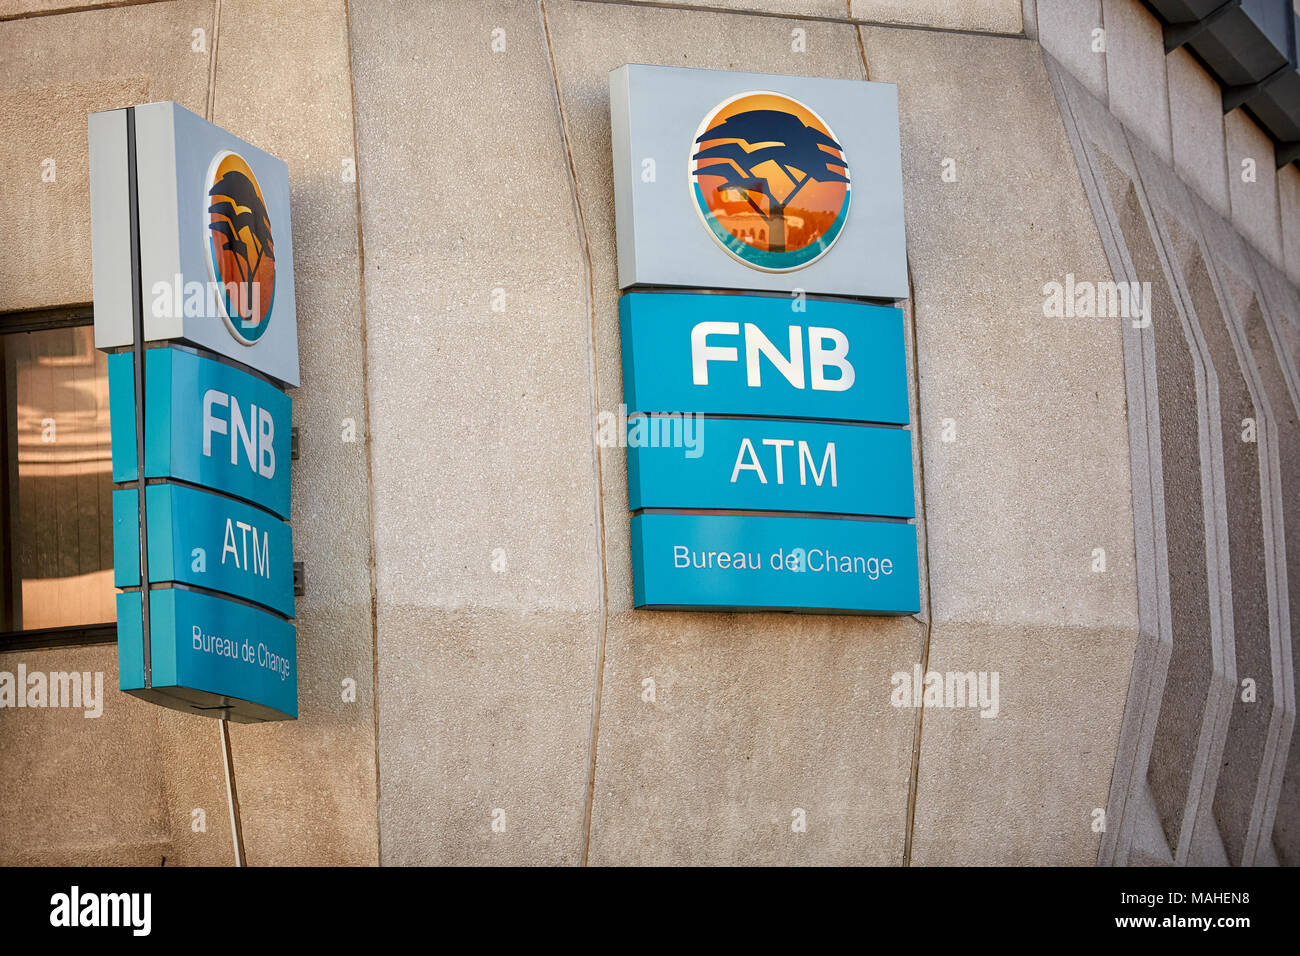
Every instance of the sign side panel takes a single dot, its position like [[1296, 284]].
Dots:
[[155, 152], [110, 229], [130, 642], [121, 414], [126, 538], [625, 169]]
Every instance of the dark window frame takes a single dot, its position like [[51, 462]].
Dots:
[[39, 320]]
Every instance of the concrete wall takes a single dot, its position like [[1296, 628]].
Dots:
[[1204, 772], [467, 555], [130, 780]]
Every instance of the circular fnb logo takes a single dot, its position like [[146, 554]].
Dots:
[[771, 182], [241, 249]]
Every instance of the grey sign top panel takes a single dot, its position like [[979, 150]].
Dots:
[[656, 115], [177, 154]]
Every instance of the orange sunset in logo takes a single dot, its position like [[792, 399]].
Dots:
[[241, 249], [771, 181]]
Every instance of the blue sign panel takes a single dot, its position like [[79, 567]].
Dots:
[[763, 356], [206, 540], [777, 562], [775, 465], [206, 423], [126, 538], [209, 654]]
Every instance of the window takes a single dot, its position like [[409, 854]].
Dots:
[[56, 482]]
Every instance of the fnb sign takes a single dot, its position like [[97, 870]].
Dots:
[[205, 422], [256, 433], [200, 425], [759, 355], [798, 492], [790, 364]]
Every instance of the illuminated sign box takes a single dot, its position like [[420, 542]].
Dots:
[[194, 301], [182, 162], [769, 464]]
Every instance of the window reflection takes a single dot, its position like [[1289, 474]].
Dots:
[[57, 484]]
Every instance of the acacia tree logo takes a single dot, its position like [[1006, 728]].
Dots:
[[771, 182], [241, 247]]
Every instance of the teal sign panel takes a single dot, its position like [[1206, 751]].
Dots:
[[773, 465], [126, 538], [205, 540], [761, 355], [205, 423], [209, 654], [774, 562]]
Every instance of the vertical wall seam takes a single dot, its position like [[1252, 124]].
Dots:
[[914, 769], [1105, 56], [918, 728], [227, 754], [1227, 171], [1280, 262], [365, 413], [927, 626], [212, 59], [862, 48], [1169, 111], [598, 464]]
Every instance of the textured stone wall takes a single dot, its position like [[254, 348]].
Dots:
[[124, 787], [1092, 528], [1203, 774]]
